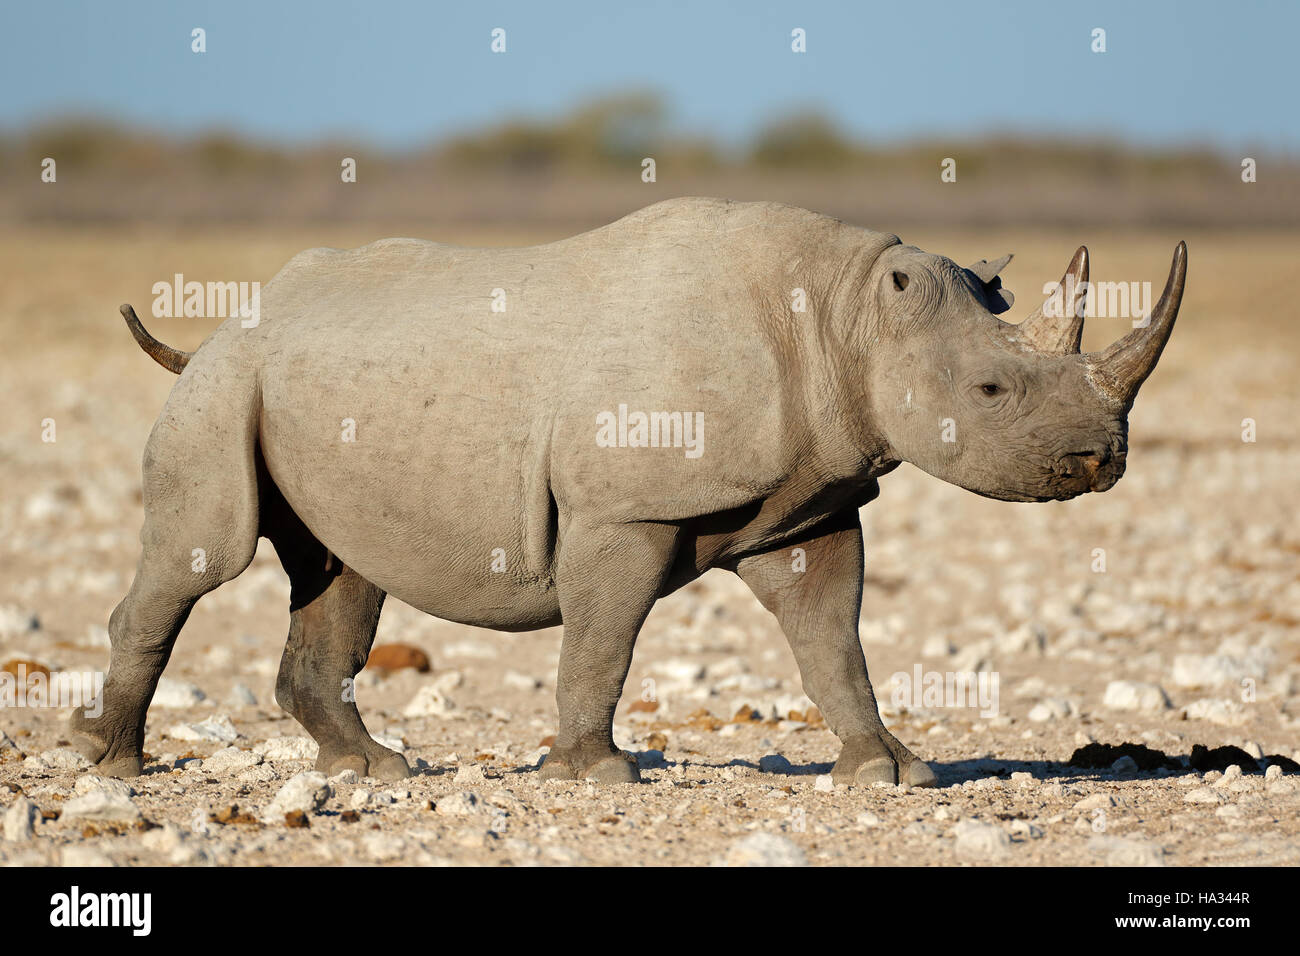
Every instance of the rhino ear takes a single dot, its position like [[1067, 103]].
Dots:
[[999, 299]]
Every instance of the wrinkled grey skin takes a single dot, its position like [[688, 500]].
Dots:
[[475, 437]]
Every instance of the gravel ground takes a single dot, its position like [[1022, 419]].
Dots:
[[1187, 637]]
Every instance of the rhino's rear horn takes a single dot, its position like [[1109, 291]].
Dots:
[[1056, 327], [1121, 369]]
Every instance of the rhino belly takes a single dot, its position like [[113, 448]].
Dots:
[[435, 493]]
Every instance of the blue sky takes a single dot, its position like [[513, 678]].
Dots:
[[404, 73]]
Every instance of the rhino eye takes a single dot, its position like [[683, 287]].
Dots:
[[901, 280], [991, 388]]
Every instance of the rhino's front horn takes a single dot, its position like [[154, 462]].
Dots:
[[1056, 326], [1121, 369]]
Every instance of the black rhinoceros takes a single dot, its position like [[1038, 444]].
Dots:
[[519, 438]]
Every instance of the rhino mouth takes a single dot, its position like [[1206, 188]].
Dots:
[[1081, 472]]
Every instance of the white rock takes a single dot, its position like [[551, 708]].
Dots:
[[241, 696], [868, 818], [780, 706], [306, 791], [80, 855], [1135, 696], [679, 670], [1274, 772], [1052, 708], [1230, 776], [762, 849], [15, 622], [745, 683], [288, 748], [726, 667], [1026, 639], [937, 646], [218, 727], [345, 777], [1097, 801], [177, 694], [262, 773], [231, 760], [1204, 795], [1127, 851], [383, 847], [430, 701], [521, 681], [825, 783], [974, 657], [978, 840], [91, 783], [469, 775], [456, 804], [1226, 713], [1213, 670], [20, 820], [475, 649], [1025, 830], [61, 758], [164, 839], [101, 805]]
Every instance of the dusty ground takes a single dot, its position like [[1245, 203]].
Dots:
[[1199, 596]]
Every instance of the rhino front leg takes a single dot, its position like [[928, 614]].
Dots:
[[817, 608], [608, 579]]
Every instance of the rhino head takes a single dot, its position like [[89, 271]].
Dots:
[[1009, 411]]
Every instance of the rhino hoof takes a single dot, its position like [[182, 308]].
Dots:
[[391, 768], [332, 767], [614, 770], [880, 770], [89, 746], [553, 768], [920, 774], [95, 750], [131, 765]]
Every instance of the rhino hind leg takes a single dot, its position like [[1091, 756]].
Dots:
[[608, 579], [196, 536], [333, 614], [142, 630]]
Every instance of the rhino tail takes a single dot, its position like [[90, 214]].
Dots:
[[174, 360]]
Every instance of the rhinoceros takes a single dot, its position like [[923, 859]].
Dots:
[[563, 434]]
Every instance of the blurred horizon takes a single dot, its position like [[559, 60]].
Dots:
[[552, 132], [585, 167], [402, 73]]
